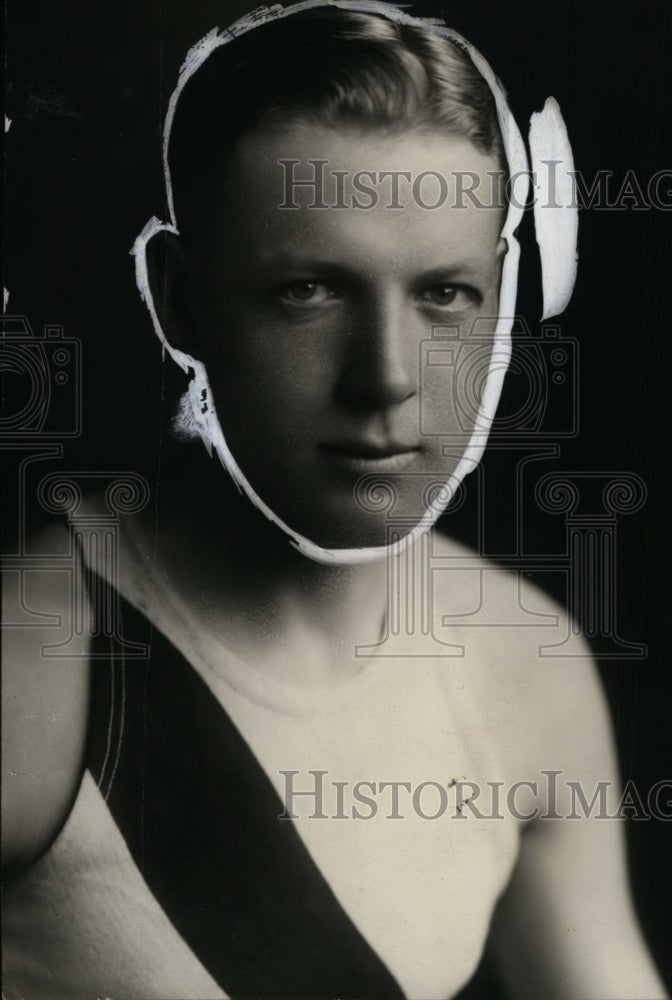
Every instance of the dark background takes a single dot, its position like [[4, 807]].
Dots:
[[87, 87]]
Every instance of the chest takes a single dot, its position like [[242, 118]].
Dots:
[[334, 836], [391, 798]]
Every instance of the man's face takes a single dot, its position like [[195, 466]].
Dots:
[[321, 327]]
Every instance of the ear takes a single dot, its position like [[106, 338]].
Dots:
[[168, 278]]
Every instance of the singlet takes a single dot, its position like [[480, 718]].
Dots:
[[174, 876]]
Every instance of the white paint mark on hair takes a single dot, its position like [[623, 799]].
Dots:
[[556, 216]]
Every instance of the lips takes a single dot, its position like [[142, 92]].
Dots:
[[363, 456]]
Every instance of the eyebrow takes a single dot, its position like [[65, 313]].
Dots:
[[290, 261], [462, 268]]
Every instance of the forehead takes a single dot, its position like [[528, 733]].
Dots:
[[340, 191]]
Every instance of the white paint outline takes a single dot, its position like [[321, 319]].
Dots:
[[207, 422], [556, 228]]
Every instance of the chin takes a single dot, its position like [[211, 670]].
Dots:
[[352, 513], [357, 530]]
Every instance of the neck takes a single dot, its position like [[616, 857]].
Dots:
[[253, 590]]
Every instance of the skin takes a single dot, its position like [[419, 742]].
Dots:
[[311, 322], [565, 927]]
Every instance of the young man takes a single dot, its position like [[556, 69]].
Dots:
[[256, 813]]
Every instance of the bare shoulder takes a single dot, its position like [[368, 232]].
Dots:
[[45, 690], [526, 661]]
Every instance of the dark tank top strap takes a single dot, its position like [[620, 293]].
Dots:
[[201, 819]]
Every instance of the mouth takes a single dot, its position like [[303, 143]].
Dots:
[[364, 456]]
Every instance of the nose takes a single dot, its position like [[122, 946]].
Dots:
[[380, 368]]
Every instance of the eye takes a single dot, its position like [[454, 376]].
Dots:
[[307, 292], [445, 296]]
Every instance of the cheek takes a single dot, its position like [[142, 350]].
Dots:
[[265, 391], [255, 357], [454, 373]]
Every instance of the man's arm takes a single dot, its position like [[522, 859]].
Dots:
[[44, 711], [566, 927]]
